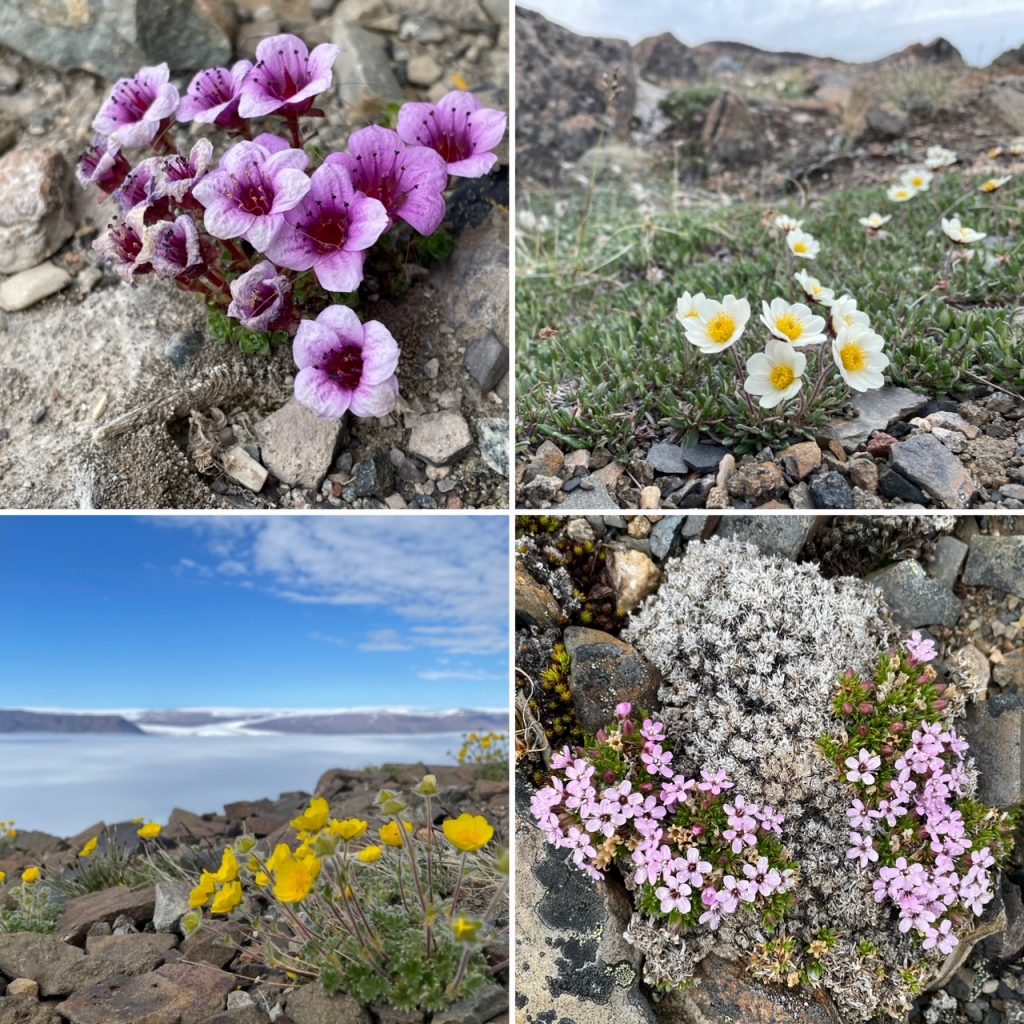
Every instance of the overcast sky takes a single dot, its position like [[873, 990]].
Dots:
[[851, 30]]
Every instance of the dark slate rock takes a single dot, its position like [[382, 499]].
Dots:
[[996, 562], [914, 598], [667, 458], [830, 490], [704, 458], [183, 347], [486, 360], [895, 487], [373, 476]]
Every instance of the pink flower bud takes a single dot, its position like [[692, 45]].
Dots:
[[646, 787], [941, 705], [887, 749], [898, 727], [628, 727], [862, 731], [602, 736], [847, 708], [609, 777], [866, 708], [623, 710]]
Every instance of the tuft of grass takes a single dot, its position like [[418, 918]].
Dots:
[[602, 360]]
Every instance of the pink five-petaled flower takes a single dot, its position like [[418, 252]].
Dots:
[[256, 184], [409, 180], [173, 248], [714, 783], [458, 128], [261, 298], [103, 167], [921, 649], [132, 114], [942, 937], [178, 175], [862, 849], [213, 96], [658, 761], [345, 366], [674, 894], [286, 76], [330, 230], [862, 767]]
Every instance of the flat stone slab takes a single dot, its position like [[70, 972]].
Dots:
[[876, 410], [82, 912], [994, 729], [927, 462], [704, 458], [667, 458], [297, 446], [440, 437], [597, 497], [996, 562], [914, 598], [774, 535], [947, 561]]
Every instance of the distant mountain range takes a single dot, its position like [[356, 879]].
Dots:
[[218, 722]]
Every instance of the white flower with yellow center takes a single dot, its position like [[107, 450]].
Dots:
[[959, 232], [793, 323], [1017, 149], [995, 153], [900, 193], [783, 222], [718, 324], [776, 374], [802, 244], [938, 157], [917, 178], [845, 313], [994, 183], [874, 220], [857, 351], [814, 289], [686, 306]]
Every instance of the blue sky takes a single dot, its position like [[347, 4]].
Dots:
[[854, 30], [245, 611]]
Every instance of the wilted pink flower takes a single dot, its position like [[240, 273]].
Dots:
[[122, 245], [141, 194], [261, 298], [458, 128], [213, 96], [345, 366], [286, 76], [256, 184], [102, 166], [173, 248], [132, 114], [178, 175], [408, 180], [329, 230]]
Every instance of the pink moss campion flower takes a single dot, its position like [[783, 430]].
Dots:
[[173, 248], [103, 167], [345, 366], [261, 298], [329, 230], [408, 180], [133, 112], [286, 77], [213, 96], [458, 128], [178, 174], [256, 184], [920, 648], [121, 244]]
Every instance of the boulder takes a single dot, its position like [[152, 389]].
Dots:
[[82, 912], [730, 135], [914, 598], [36, 212]]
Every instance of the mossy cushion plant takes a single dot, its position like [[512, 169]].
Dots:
[[603, 360]]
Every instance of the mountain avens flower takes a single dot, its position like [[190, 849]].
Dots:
[[718, 324], [784, 222], [286, 76], [261, 298], [468, 832], [409, 181], [874, 220], [917, 178], [958, 232], [776, 375], [993, 184], [857, 351], [345, 366], [686, 306], [793, 322], [132, 114], [938, 157], [803, 244], [457, 127], [213, 96], [814, 289], [90, 847], [150, 831], [845, 313], [900, 193]]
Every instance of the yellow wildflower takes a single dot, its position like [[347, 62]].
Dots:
[[261, 879], [3, 877], [279, 856], [201, 894], [464, 928], [348, 828], [369, 854], [30, 876], [90, 847], [460, 83], [228, 870], [293, 880], [468, 832], [389, 834], [150, 831], [227, 898], [315, 817]]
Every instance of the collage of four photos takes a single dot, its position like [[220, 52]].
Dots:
[[511, 512]]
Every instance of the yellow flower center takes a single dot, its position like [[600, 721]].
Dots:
[[990, 186], [720, 328], [854, 357], [692, 314], [917, 182], [800, 247], [848, 319], [782, 377], [790, 325]]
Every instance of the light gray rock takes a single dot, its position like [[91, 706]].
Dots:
[[171, 905], [914, 598], [241, 467], [32, 286], [439, 437], [486, 360], [663, 535], [667, 458], [310, 1004], [297, 446], [774, 535], [996, 562], [594, 497], [994, 730], [36, 213], [875, 411], [485, 1005], [925, 461], [367, 74], [492, 440], [423, 70], [947, 561]]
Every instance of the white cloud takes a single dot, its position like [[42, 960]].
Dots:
[[453, 675], [384, 640], [336, 641]]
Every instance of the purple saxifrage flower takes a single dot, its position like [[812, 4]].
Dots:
[[458, 128], [122, 245], [213, 96], [345, 366], [132, 114], [329, 230], [103, 167], [261, 298], [248, 195], [173, 248], [178, 175], [286, 77], [141, 194], [408, 180]]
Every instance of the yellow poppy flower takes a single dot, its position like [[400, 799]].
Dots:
[[315, 817], [3, 877], [465, 929], [227, 898], [279, 856], [293, 880], [150, 831], [468, 832], [30, 876], [228, 871], [90, 847], [369, 854], [261, 879], [389, 834], [348, 828], [201, 894]]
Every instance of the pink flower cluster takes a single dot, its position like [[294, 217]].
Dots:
[[695, 849], [243, 232]]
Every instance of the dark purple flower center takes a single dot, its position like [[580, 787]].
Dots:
[[251, 192], [344, 365], [383, 182], [452, 143], [214, 87], [326, 229], [177, 168], [261, 298], [289, 76], [173, 249], [127, 243], [132, 100]]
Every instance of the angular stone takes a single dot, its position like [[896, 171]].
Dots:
[[36, 212], [704, 458], [875, 411], [81, 912], [914, 598], [947, 560], [596, 496], [953, 421], [774, 535], [241, 467], [373, 476], [830, 490], [182, 347], [994, 730], [173, 994], [32, 286], [757, 482], [667, 458], [171, 905], [996, 562], [368, 79], [297, 446], [535, 604], [605, 671], [863, 474], [492, 440], [547, 461], [25, 987], [486, 361], [484, 1005], [634, 577], [1008, 943], [650, 497], [21, 1010], [800, 460], [310, 1004], [927, 462], [127, 946], [663, 535], [898, 488], [215, 943], [439, 437]]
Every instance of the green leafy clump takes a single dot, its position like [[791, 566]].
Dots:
[[32, 907]]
